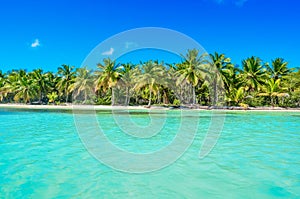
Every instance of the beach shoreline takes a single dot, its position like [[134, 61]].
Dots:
[[154, 107]]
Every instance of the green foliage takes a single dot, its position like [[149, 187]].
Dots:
[[103, 101], [176, 102], [207, 80], [52, 97]]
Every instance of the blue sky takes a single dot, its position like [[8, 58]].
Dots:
[[45, 34]]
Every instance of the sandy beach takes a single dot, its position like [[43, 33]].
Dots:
[[108, 107]]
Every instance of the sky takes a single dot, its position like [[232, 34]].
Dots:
[[48, 33]]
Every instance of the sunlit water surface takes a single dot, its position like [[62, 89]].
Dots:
[[257, 156]]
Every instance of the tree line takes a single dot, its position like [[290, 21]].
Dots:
[[199, 79]]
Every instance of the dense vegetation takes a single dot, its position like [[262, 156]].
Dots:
[[198, 79]]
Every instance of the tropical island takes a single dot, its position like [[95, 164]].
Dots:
[[253, 84]]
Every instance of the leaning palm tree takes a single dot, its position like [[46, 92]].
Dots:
[[190, 70], [107, 76], [150, 78], [67, 76], [84, 84], [24, 87], [9, 84]]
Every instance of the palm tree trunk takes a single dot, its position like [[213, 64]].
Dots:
[[85, 97], [150, 96], [272, 103], [180, 94], [158, 97], [112, 96], [194, 95], [215, 93], [165, 98], [199, 101], [40, 96], [67, 95], [127, 97]]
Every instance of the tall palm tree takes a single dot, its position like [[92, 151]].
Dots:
[[41, 81], [151, 77], [225, 67], [253, 74], [128, 74], [52, 81], [226, 70], [190, 70], [84, 84], [278, 69], [107, 76], [67, 76]]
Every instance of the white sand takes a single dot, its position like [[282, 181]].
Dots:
[[108, 107]]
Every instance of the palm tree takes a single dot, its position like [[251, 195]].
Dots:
[[253, 74], [190, 70], [195, 78], [52, 97], [23, 86], [279, 69], [238, 95], [107, 76], [128, 74], [227, 72], [67, 76], [164, 81], [294, 86], [2, 83], [150, 78], [8, 84], [272, 89], [2, 76], [41, 82], [52, 81], [84, 83]]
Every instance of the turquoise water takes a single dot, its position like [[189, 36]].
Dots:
[[257, 156]]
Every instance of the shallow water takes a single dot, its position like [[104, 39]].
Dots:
[[256, 156]]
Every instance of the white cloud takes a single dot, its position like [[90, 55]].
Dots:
[[110, 52], [35, 44]]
